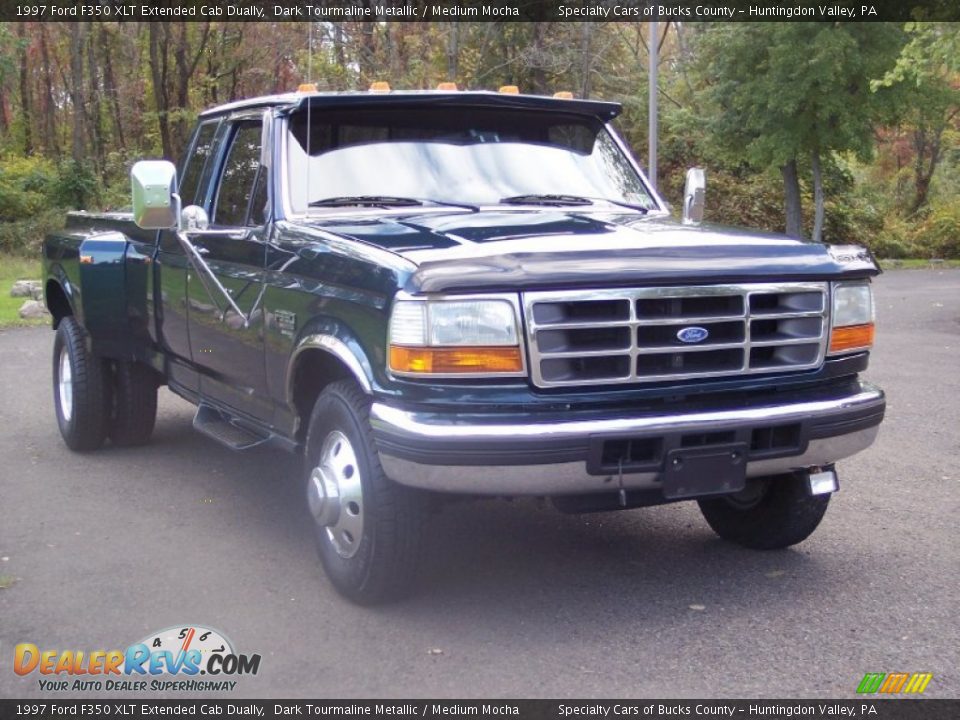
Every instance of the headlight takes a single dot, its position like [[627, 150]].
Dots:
[[472, 335], [852, 326]]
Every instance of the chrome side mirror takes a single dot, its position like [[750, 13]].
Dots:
[[156, 205], [694, 196]]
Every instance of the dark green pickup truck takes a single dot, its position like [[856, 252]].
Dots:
[[468, 293]]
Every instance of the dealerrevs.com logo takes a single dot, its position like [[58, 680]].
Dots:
[[170, 660]]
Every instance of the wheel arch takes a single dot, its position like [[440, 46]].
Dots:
[[321, 358], [58, 301]]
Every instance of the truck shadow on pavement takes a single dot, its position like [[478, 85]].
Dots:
[[520, 556]]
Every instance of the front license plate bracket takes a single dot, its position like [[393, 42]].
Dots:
[[698, 471]]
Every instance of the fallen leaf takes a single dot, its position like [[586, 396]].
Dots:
[[774, 573], [434, 651], [698, 607]]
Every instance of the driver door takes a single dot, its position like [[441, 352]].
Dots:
[[227, 345]]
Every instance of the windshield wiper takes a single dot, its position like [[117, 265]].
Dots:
[[386, 201], [567, 200], [367, 200], [555, 200]]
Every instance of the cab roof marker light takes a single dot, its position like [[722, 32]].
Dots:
[[307, 88], [447, 86], [380, 86], [509, 90], [563, 95]]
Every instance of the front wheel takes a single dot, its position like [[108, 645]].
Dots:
[[771, 513], [367, 528], [81, 389]]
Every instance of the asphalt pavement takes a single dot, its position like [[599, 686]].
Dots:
[[517, 600]]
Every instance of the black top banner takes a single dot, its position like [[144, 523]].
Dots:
[[482, 10], [867, 708]]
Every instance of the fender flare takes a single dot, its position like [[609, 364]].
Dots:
[[58, 276], [331, 338]]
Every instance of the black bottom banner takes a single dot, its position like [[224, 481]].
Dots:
[[867, 709]]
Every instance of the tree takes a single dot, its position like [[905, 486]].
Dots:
[[927, 78], [788, 95]]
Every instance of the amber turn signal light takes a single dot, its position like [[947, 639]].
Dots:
[[852, 337], [451, 360]]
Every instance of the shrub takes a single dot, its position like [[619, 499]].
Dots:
[[24, 237], [939, 234], [77, 186], [27, 187]]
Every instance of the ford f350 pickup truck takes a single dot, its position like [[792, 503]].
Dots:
[[469, 293]]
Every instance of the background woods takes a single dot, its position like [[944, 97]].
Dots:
[[846, 132]]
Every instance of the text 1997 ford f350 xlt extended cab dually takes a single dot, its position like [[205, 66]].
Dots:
[[472, 293]]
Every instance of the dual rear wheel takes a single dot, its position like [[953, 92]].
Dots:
[[96, 398]]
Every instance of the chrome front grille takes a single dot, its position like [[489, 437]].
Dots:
[[634, 335]]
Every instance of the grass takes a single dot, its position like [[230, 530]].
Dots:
[[13, 268], [919, 264]]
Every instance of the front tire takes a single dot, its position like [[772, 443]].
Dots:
[[367, 528], [81, 389], [770, 514]]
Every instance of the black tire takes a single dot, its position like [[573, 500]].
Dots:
[[84, 416], [770, 514], [134, 404], [382, 562]]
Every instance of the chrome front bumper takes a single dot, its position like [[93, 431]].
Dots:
[[444, 452]]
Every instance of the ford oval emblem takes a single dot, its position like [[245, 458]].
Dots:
[[693, 334]]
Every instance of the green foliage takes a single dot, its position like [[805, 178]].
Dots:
[[25, 236], [939, 233], [27, 187], [77, 185], [783, 90]]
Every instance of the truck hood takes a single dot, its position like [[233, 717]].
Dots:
[[527, 249]]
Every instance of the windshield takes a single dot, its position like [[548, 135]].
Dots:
[[477, 156]]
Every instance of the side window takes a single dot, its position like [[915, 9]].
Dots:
[[195, 162], [240, 172]]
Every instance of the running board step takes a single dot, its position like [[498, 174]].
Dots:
[[225, 430]]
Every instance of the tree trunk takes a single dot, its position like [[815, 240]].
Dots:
[[158, 74], [791, 199], [26, 97], [586, 58], [51, 142], [110, 87], [95, 114], [537, 74], [453, 51], [78, 38], [817, 196]]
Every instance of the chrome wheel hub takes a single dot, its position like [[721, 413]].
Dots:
[[335, 494], [65, 385]]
